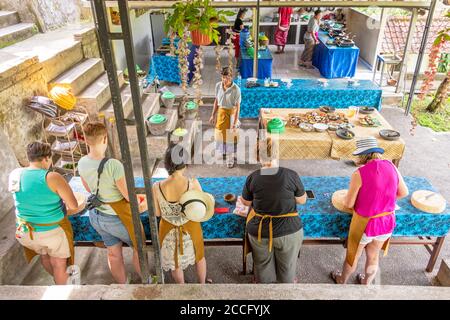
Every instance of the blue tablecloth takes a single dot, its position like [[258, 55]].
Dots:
[[307, 93], [333, 61], [264, 65], [320, 218], [167, 67]]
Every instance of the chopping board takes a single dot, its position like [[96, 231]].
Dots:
[[428, 201], [337, 200]]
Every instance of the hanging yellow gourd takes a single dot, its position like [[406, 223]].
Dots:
[[62, 95]]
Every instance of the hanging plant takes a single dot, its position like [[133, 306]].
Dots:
[[442, 92]]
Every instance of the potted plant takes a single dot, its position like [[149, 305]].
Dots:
[[201, 17]]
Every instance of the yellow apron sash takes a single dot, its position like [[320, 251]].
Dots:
[[357, 228], [123, 210], [223, 124], [251, 215], [64, 223], [195, 231]]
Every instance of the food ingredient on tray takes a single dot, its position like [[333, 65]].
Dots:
[[345, 134], [312, 117], [369, 121]]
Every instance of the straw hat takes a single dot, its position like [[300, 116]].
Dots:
[[367, 145], [197, 206]]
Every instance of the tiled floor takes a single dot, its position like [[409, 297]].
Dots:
[[284, 66]]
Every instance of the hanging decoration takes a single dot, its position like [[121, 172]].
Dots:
[[183, 53], [197, 79], [230, 46], [218, 49]]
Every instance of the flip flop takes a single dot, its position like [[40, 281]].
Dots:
[[333, 275], [360, 277]]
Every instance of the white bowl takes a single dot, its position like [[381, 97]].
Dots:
[[320, 127], [252, 79]]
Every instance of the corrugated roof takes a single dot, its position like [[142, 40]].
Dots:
[[396, 32]]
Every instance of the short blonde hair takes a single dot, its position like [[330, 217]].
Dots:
[[364, 158], [267, 150], [94, 132]]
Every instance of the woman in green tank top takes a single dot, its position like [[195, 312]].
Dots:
[[42, 198]]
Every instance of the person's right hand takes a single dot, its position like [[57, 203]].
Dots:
[[212, 120]]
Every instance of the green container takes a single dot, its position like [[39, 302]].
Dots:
[[157, 124], [191, 110], [276, 125], [168, 99]]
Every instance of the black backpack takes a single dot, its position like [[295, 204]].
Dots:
[[93, 201]]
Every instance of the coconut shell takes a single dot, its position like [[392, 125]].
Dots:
[[428, 201], [338, 201]]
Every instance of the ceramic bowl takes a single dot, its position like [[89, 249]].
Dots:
[[320, 127], [230, 198], [306, 127]]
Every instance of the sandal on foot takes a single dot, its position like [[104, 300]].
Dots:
[[360, 277], [209, 281], [334, 275]]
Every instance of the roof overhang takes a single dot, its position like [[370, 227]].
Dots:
[[158, 4]]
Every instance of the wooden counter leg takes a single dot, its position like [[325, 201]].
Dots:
[[435, 253], [396, 162]]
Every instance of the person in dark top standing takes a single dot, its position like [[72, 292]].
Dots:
[[237, 27], [274, 228]]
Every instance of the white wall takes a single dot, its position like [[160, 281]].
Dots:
[[141, 30], [366, 34]]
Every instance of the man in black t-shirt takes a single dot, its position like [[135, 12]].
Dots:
[[273, 191]]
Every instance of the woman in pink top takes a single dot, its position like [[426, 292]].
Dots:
[[284, 23], [374, 189]]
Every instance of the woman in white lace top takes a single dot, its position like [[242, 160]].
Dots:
[[181, 239]]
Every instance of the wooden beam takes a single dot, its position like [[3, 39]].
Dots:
[[157, 4]]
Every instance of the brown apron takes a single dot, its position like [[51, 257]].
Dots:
[[195, 231], [64, 224], [250, 216], [123, 210], [357, 227], [223, 125]]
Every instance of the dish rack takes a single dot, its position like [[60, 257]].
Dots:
[[66, 135]]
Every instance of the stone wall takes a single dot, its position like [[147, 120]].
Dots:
[[9, 163], [17, 85], [47, 14], [28, 77]]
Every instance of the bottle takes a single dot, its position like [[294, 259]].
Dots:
[[239, 80]]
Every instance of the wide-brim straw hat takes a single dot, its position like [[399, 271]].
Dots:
[[367, 145], [197, 206]]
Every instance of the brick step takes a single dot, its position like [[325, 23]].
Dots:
[[96, 95], [15, 33], [150, 106], [81, 75], [8, 18]]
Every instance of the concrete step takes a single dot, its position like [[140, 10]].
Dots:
[[8, 18], [81, 75], [224, 292], [391, 99], [150, 106], [96, 95], [15, 33], [127, 104]]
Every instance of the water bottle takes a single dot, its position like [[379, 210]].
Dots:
[[239, 80]]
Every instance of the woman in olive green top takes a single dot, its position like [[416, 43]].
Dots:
[[42, 198]]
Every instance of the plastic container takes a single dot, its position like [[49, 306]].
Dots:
[[276, 125], [191, 110], [168, 99], [243, 36], [157, 124]]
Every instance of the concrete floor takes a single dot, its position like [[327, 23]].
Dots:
[[427, 155]]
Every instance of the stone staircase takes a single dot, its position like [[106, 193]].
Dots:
[[12, 30]]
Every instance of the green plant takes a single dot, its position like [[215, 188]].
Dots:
[[197, 15]]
